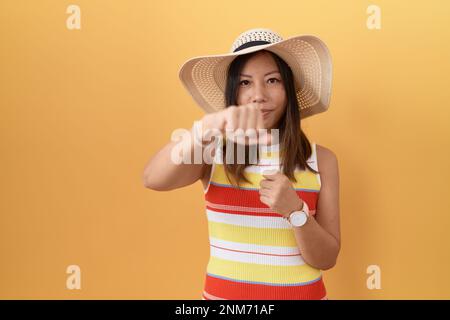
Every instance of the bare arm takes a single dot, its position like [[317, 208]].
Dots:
[[163, 174], [319, 239]]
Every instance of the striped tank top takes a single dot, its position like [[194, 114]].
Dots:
[[253, 251]]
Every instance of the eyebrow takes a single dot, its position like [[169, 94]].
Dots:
[[246, 75]]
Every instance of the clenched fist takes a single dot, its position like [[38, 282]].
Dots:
[[276, 191], [244, 120]]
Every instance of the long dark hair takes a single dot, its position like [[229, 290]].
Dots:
[[295, 148]]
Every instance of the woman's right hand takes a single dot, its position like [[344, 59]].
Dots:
[[227, 121]]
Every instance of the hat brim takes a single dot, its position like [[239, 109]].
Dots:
[[204, 77]]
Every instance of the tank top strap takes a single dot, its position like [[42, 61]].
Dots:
[[314, 160]]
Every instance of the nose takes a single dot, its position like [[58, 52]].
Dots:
[[259, 94]]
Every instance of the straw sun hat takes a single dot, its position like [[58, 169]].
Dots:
[[308, 57]]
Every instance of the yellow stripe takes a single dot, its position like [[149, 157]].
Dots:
[[260, 236], [262, 273], [305, 179]]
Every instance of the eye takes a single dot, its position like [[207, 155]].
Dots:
[[246, 81], [274, 79]]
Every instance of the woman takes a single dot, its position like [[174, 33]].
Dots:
[[274, 223]]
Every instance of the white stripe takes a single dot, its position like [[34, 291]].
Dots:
[[275, 161], [253, 247], [260, 169], [248, 221], [256, 258]]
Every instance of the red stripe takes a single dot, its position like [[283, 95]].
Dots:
[[232, 290], [250, 198], [262, 253]]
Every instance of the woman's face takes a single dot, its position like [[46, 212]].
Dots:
[[260, 82]]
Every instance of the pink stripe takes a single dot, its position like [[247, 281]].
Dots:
[[261, 253], [209, 296], [245, 209], [237, 208]]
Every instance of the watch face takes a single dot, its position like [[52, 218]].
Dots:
[[298, 219]]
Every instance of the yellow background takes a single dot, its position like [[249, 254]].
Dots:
[[82, 111]]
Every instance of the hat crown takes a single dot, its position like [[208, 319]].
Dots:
[[254, 37]]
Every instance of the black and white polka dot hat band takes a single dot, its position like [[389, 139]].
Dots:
[[308, 57]]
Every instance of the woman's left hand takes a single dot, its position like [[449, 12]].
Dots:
[[277, 193]]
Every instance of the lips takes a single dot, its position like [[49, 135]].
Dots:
[[265, 113]]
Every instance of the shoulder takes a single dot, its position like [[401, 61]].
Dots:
[[325, 153], [327, 160]]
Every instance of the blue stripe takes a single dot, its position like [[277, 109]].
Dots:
[[256, 189], [266, 283]]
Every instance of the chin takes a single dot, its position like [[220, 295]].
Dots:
[[268, 124]]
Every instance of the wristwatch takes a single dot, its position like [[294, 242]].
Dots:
[[299, 218]]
